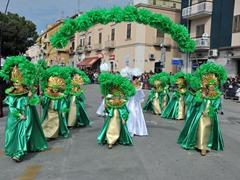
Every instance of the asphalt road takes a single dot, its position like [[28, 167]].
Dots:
[[154, 157]]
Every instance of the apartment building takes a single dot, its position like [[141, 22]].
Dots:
[[215, 26], [128, 43], [46, 51]]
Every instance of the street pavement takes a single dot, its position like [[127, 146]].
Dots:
[[154, 157]]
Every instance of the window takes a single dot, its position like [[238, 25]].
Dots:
[[100, 38], [113, 34], [174, 5], [201, 1], [200, 30], [82, 41], [236, 23], [128, 31], [160, 33], [164, 4], [154, 2], [89, 40], [73, 45]]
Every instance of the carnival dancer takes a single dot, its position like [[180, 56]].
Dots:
[[114, 129], [192, 89], [204, 132], [176, 106], [56, 85], [23, 131], [100, 111], [77, 115], [136, 122], [159, 94]]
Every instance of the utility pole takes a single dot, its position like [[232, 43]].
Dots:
[[2, 31], [162, 60]]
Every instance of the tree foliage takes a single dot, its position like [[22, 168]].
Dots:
[[17, 35]]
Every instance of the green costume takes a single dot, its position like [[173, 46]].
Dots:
[[202, 131], [158, 97], [176, 106], [77, 115], [55, 82], [114, 129], [21, 135], [52, 121]]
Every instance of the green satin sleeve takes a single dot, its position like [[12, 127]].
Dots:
[[60, 105], [148, 106], [82, 116], [45, 104]]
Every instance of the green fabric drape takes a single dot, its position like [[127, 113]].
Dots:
[[161, 95], [188, 135], [59, 105], [125, 137], [172, 109], [22, 136], [82, 117]]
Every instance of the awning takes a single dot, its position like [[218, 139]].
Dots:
[[88, 62]]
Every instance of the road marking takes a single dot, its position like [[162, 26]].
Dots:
[[53, 150], [30, 173], [47, 150]]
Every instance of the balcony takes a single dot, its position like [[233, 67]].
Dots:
[[98, 47], [88, 48], [202, 43], [157, 41], [197, 11], [109, 44], [79, 49]]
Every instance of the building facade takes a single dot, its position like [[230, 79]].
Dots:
[[127, 44], [52, 55], [215, 27]]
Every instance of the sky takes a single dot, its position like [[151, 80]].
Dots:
[[43, 12]]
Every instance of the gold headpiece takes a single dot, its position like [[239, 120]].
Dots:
[[157, 83], [209, 79], [55, 82], [16, 76], [116, 92], [181, 81], [77, 80]]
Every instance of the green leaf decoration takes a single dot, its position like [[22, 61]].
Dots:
[[116, 14]]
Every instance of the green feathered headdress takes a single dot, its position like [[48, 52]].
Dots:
[[19, 70], [56, 77], [115, 85], [179, 79], [159, 80], [211, 74], [77, 77]]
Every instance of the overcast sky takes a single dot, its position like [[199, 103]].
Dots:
[[43, 12]]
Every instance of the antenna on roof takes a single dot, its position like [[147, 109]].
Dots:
[[78, 6]]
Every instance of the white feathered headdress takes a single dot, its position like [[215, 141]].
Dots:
[[104, 67]]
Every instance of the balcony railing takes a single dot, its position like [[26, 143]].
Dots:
[[79, 49], [109, 44], [88, 48], [197, 10], [202, 43], [166, 41], [98, 47]]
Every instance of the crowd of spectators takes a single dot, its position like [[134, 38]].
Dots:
[[231, 86]]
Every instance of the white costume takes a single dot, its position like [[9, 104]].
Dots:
[[136, 122], [101, 109]]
